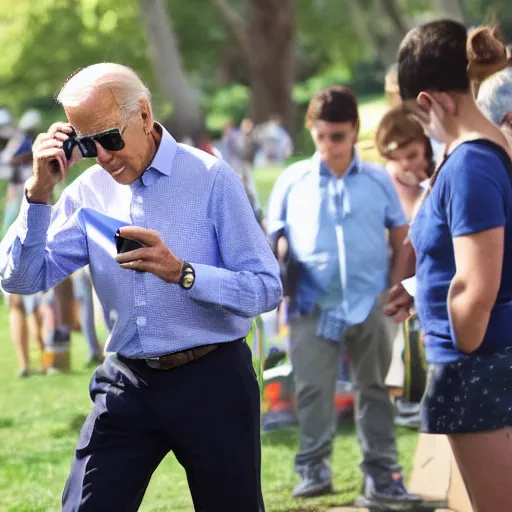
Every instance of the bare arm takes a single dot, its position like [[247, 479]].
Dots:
[[474, 288], [404, 259]]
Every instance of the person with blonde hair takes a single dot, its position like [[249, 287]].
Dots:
[[401, 141]]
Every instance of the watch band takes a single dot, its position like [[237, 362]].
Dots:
[[188, 276]]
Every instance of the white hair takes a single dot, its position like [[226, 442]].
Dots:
[[126, 87], [495, 95]]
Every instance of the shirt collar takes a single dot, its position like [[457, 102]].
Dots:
[[320, 166], [162, 161]]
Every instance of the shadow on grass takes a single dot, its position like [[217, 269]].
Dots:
[[6, 422]]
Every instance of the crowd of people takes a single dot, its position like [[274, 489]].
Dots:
[[341, 237], [39, 315]]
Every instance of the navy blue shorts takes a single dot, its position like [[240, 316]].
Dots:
[[473, 394]]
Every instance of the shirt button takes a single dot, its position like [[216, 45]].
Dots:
[[140, 200], [141, 321]]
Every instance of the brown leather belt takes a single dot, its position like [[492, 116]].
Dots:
[[170, 361]]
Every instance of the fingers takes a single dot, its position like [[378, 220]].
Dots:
[[61, 136], [44, 137], [401, 315], [396, 292], [138, 265], [148, 237], [49, 143], [51, 153], [59, 127], [57, 155], [390, 309], [131, 256]]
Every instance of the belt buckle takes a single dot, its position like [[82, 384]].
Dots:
[[153, 362]]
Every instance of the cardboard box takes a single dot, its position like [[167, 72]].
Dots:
[[435, 475]]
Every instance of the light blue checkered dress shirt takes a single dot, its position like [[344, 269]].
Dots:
[[199, 207]]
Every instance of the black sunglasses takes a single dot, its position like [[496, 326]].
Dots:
[[335, 137], [111, 140]]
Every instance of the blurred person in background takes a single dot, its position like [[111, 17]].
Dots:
[[238, 151], [401, 141], [330, 215], [274, 144], [392, 92], [26, 315], [206, 144], [391, 88], [495, 100]]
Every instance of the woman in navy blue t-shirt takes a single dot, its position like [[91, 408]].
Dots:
[[462, 236]]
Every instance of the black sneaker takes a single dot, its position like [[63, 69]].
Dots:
[[315, 480], [388, 495]]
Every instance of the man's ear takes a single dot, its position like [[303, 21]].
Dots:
[[424, 100], [147, 116]]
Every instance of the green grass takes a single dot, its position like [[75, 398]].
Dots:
[[40, 418], [264, 180]]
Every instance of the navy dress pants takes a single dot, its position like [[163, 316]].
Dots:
[[207, 412]]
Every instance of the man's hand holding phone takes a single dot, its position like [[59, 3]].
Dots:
[[50, 161]]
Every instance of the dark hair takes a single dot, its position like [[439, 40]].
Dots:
[[433, 57], [442, 56], [336, 104]]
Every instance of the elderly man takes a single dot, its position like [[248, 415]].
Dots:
[[180, 377]]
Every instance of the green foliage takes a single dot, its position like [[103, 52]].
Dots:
[[46, 41], [226, 104], [496, 11]]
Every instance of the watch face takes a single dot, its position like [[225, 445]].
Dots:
[[188, 280]]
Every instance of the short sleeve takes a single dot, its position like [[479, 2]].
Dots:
[[479, 193]]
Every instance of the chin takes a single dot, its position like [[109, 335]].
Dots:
[[125, 178]]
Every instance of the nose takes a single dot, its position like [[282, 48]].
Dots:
[[104, 156]]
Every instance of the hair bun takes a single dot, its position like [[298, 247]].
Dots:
[[486, 53]]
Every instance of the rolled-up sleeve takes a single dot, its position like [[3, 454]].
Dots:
[[248, 281], [43, 246]]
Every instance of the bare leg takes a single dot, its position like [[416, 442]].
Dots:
[[36, 327], [47, 316], [19, 331], [485, 462]]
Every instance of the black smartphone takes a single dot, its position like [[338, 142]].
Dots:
[[69, 145], [126, 244]]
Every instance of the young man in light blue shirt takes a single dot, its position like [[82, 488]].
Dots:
[[338, 215]]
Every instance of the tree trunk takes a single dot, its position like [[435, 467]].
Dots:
[[271, 59], [361, 23], [394, 26], [395, 16], [451, 9], [187, 118], [267, 39]]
